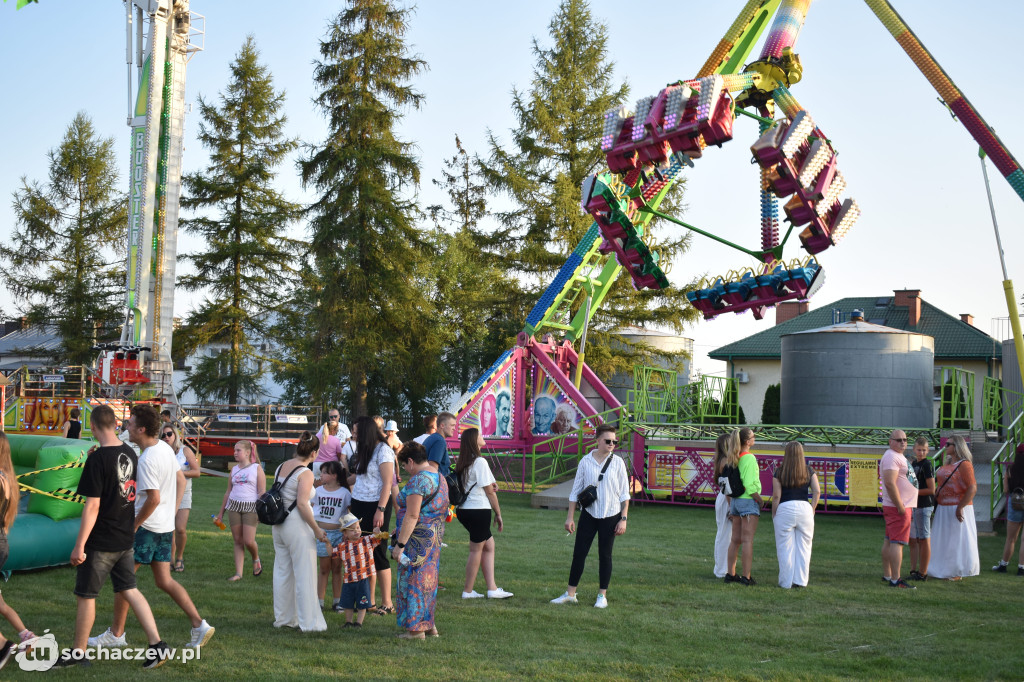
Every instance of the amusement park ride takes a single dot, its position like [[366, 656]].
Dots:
[[647, 148]]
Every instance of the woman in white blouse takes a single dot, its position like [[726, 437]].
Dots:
[[474, 514], [372, 473], [605, 517]]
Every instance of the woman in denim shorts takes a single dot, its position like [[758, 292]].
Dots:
[[1013, 478], [745, 511]]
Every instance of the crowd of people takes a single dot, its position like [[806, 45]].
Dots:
[[341, 487]]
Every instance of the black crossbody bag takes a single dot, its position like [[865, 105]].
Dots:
[[588, 495]]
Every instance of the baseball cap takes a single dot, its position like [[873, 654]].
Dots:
[[349, 520]]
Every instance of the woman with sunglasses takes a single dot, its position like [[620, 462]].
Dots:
[[605, 517], [190, 467], [333, 435]]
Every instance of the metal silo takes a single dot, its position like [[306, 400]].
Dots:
[[858, 374]]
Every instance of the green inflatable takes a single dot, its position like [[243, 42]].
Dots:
[[45, 535]]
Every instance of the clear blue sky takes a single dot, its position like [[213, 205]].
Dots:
[[914, 171]]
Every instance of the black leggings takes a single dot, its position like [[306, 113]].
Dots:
[[586, 530]]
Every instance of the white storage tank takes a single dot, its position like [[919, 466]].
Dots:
[[857, 374]]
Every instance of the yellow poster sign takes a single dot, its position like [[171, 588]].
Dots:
[[863, 486]]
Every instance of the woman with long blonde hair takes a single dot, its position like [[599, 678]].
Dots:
[[954, 530], [727, 452], [792, 482], [8, 510]]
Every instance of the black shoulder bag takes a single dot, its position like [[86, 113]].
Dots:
[[588, 495]]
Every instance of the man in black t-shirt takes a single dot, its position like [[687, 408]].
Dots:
[[921, 521], [106, 538]]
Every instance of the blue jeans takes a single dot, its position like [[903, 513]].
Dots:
[[744, 506]]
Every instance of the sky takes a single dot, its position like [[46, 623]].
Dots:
[[913, 170]]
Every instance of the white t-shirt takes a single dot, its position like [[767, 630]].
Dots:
[[420, 439], [183, 463], [480, 474], [158, 470], [329, 506], [348, 449], [368, 485]]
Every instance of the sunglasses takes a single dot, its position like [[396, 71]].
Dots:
[[333, 417], [167, 434], [899, 440], [611, 441]]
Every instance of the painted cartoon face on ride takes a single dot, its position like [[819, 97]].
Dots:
[[543, 414], [487, 416], [49, 415], [504, 407]]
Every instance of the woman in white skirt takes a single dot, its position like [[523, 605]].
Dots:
[[727, 451], [954, 530], [295, 565], [793, 516]]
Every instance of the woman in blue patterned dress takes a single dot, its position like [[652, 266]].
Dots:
[[422, 507]]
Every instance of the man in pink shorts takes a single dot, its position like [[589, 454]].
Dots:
[[899, 498]]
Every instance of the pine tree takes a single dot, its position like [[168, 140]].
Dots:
[[242, 219], [469, 286], [554, 147], [65, 264], [369, 326]]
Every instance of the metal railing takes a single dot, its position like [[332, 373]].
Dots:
[[285, 422], [998, 401], [956, 408], [830, 435], [1006, 454]]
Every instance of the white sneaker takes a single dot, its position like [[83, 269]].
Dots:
[[566, 598], [498, 594], [201, 635], [602, 602], [472, 595], [108, 639]]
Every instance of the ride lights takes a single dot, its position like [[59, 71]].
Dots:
[[643, 108], [844, 220], [832, 194], [818, 155], [710, 91], [675, 104], [614, 119], [796, 134]]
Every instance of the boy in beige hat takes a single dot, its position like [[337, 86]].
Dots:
[[356, 553]]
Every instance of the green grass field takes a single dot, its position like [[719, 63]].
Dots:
[[668, 617]]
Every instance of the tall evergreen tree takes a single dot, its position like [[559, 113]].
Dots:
[[64, 264], [370, 324], [469, 285], [555, 145], [242, 219]]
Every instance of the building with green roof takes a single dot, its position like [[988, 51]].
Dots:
[[756, 361]]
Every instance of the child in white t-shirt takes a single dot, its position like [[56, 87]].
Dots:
[[330, 503]]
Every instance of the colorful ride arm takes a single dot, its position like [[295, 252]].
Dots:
[[951, 95]]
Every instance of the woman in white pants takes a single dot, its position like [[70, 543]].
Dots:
[[727, 450], [793, 516], [296, 604]]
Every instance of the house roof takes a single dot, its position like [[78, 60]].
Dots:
[[954, 338], [38, 340]]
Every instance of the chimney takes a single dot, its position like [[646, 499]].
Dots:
[[787, 310], [968, 318], [24, 322], [856, 316], [911, 299]]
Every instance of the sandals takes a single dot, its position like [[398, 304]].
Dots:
[[384, 610], [412, 635], [178, 566], [235, 578], [256, 573]]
